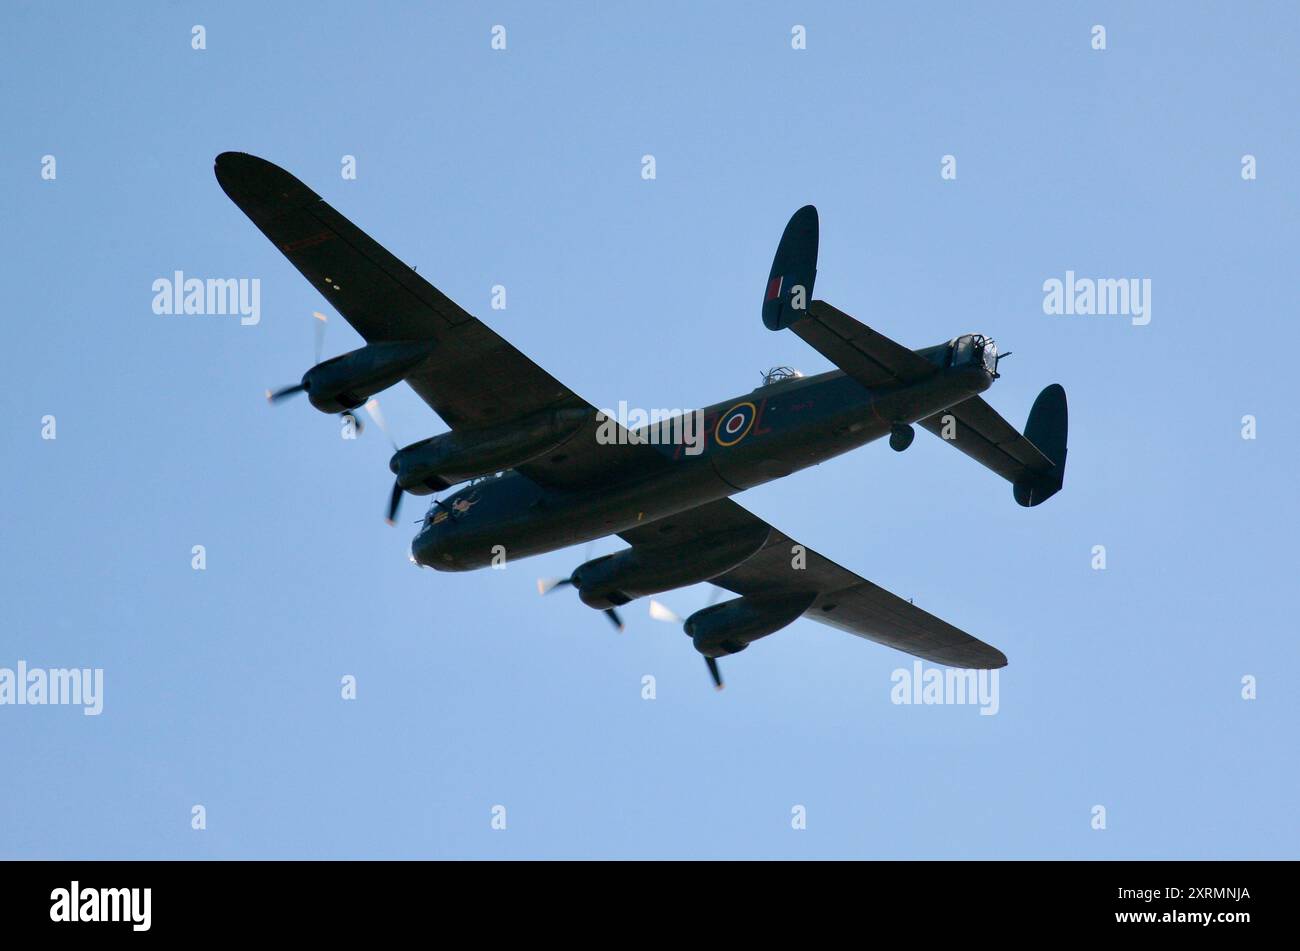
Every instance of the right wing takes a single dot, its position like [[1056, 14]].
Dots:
[[473, 378], [845, 600]]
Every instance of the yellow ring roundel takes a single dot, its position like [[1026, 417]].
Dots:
[[734, 424]]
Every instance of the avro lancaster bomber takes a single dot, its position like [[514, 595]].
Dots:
[[534, 476]]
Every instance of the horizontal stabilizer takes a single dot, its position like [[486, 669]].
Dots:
[[869, 357], [1034, 463]]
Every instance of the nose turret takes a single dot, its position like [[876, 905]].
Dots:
[[430, 545]]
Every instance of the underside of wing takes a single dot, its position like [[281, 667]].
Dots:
[[473, 378], [844, 600]]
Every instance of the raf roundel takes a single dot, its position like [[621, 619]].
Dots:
[[734, 424]]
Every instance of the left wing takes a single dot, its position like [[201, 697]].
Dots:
[[474, 378], [845, 600]]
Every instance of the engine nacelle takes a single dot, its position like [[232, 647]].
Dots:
[[433, 464], [616, 579], [731, 626], [346, 381]]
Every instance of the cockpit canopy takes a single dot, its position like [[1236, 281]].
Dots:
[[974, 350], [778, 374]]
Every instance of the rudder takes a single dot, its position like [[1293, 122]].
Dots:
[[1047, 428], [789, 288]]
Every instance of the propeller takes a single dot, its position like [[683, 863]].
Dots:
[[285, 391], [395, 497], [276, 396], [321, 322], [661, 612], [713, 670], [547, 585]]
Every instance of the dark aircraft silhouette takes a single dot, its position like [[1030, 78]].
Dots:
[[539, 478]]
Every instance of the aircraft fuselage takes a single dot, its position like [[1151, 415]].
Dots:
[[764, 435]]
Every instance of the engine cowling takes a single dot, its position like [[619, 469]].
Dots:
[[635, 572], [434, 464], [346, 381], [731, 626]]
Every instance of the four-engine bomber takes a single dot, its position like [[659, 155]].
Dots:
[[542, 473]]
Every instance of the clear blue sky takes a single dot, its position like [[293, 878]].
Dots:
[[523, 168]]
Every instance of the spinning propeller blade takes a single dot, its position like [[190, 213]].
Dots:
[[395, 498], [547, 585], [372, 408], [321, 321], [284, 392], [394, 502], [661, 612]]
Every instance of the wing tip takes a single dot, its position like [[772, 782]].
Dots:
[[231, 166], [258, 186], [985, 657]]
